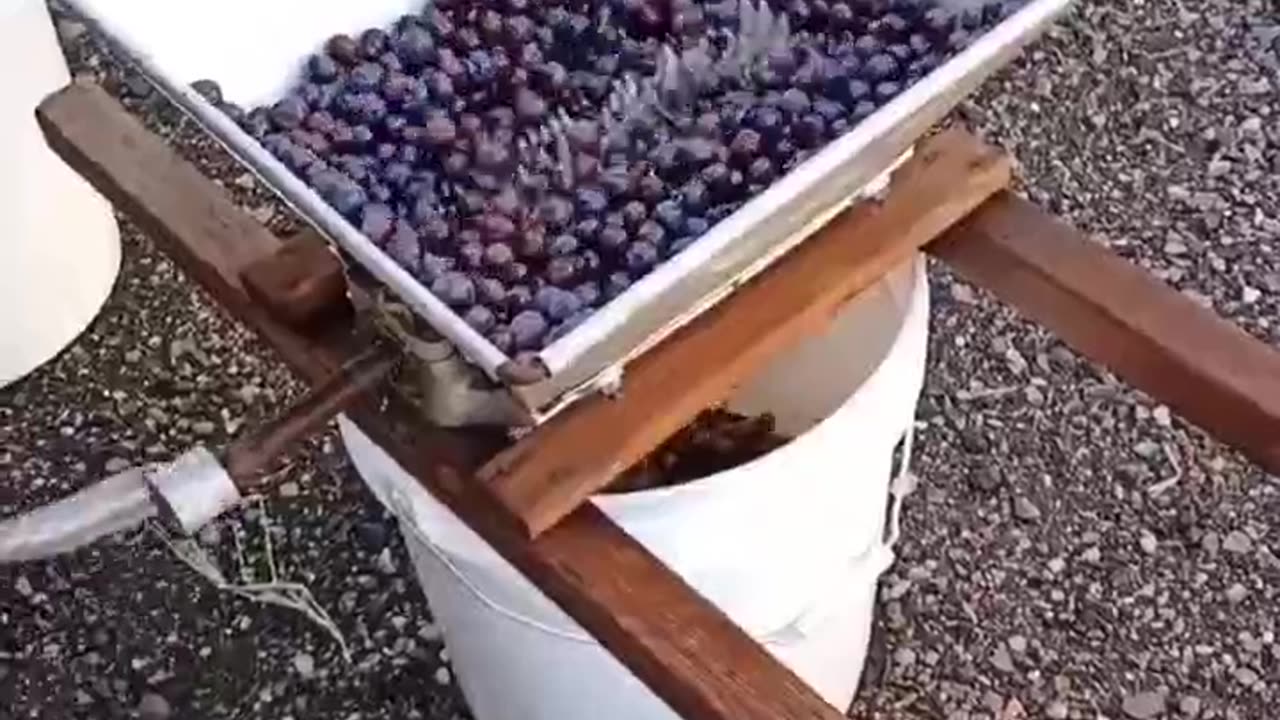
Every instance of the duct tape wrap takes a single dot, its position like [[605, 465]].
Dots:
[[192, 490]]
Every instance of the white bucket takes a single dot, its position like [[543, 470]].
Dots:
[[59, 244], [789, 546]]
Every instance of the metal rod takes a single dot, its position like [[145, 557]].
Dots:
[[249, 454]]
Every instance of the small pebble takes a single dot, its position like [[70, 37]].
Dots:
[[386, 563], [289, 490], [1002, 660], [1236, 593], [304, 664], [904, 657], [116, 465], [1237, 542], [1026, 510], [1144, 705], [443, 676], [1147, 542], [154, 707]]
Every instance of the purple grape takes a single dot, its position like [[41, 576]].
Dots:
[[670, 214], [887, 91], [562, 271], [747, 145], [404, 249], [480, 318], [613, 239], [435, 230], [795, 102], [556, 304], [634, 214], [528, 328], [455, 289], [470, 251], [343, 49], [491, 292], [515, 272], [435, 266], [562, 245], [373, 43], [695, 196], [810, 131], [679, 245], [651, 233], [322, 68], [518, 297], [366, 77], [868, 45], [862, 110], [696, 226], [641, 257], [289, 113], [376, 221], [588, 293], [502, 339], [415, 46], [616, 284]]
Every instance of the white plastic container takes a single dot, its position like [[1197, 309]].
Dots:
[[789, 546], [59, 244]]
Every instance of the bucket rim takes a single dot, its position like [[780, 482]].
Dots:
[[894, 343]]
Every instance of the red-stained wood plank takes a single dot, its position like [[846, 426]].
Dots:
[[1202, 366], [675, 641], [558, 466]]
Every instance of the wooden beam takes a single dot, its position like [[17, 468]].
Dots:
[[1203, 367], [676, 642], [301, 283], [554, 469]]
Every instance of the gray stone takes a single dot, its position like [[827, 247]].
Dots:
[[1026, 510], [1236, 593], [116, 465], [289, 490], [1246, 676], [153, 706], [1147, 542], [1002, 660], [304, 664], [1190, 706], [1237, 542], [1057, 710], [1144, 705], [71, 30]]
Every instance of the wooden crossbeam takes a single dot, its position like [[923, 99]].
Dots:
[[556, 468], [675, 641], [1205, 368]]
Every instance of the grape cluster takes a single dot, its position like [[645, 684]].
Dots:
[[504, 153]]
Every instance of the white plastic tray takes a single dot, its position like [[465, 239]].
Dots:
[[255, 49]]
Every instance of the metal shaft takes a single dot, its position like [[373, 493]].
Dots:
[[250, 454]]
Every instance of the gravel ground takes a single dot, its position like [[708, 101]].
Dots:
[[1074, 551]]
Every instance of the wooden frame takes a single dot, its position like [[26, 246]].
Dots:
[[527, 501]]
